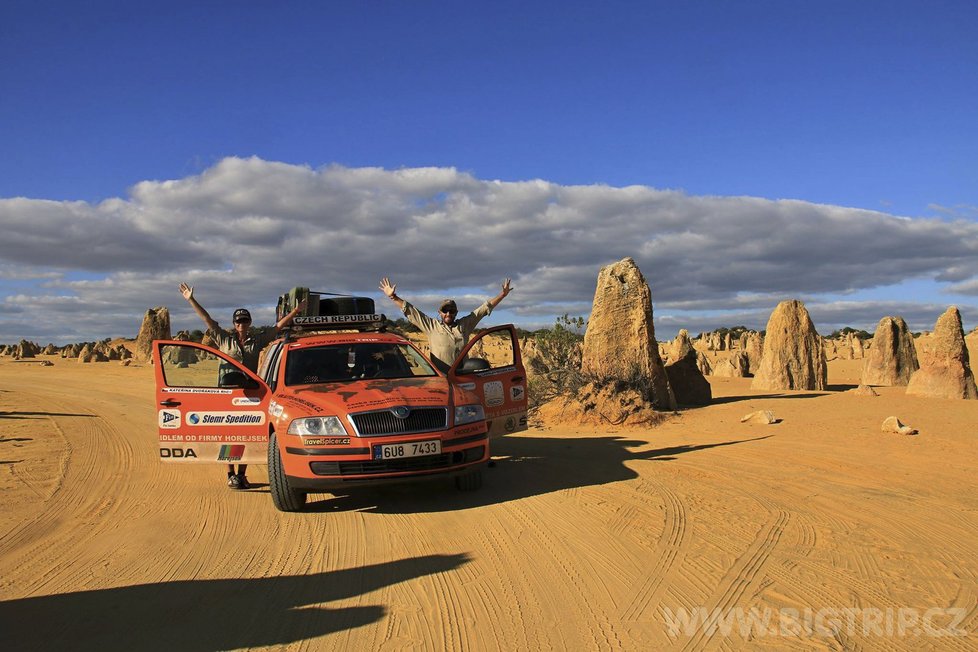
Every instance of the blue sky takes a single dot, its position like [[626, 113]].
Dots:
[[713, 105]]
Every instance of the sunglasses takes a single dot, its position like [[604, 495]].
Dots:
[[242, 321], [449, 312]]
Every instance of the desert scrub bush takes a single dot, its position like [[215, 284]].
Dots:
[[555, 364], [555, 371]]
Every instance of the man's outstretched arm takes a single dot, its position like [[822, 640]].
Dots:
[[507, 288], [287, 319], [188, 293], [390, 290]]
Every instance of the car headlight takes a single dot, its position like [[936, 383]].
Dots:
[[317, 426], [468, 414]]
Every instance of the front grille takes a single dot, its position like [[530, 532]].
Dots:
[[427, 463], [373, 467], [383, 422]]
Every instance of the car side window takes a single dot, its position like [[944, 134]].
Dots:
[[492, 351], [269, 368], [499, 349], [185, 366]]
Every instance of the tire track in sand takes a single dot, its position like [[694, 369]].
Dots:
[[348, 538], [568, 562], [672, 547], [48, 547], [741, 576]]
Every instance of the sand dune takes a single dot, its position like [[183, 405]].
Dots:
[[581, 539]]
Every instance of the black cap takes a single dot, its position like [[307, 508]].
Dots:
[[241, 313]]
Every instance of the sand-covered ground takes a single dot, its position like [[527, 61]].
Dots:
[[581, 539]]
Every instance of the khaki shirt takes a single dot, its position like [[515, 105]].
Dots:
[[227, 342], [446, 342]]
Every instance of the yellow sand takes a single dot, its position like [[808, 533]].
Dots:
[[581, 539]]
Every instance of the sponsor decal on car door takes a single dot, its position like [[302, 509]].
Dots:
[[502, 387], [210, 409]]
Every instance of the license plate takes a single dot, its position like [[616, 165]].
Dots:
[[408, 449]]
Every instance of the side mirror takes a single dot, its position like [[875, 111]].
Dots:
[[472, 365], [236, 379]]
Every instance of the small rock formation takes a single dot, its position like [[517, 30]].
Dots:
[[46, 363], [764, 417], [71, 350], [91, 353], [689, 386], [703, 362], [755, 351], [664, 351], [183, 356], [892, 424], [26, 349], [831, 353], [85, 354], [892, 357], [843, 347], [735, 365], [863, 390], [156, 326], [718, 343], [50, 349], [680, 347], [712, 341], [619, 342], [945, 370], [793, 354]]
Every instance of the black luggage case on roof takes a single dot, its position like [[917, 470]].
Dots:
[[323, 303]]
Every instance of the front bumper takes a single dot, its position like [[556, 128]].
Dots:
[[466, 453]]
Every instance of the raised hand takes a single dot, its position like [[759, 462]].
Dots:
[[387, 287]]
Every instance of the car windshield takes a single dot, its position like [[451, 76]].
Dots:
[[348, 362]]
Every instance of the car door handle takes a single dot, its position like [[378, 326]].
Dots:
[[169, 403]]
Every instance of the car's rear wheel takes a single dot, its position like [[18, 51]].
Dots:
[[469, 481], [284, 497]]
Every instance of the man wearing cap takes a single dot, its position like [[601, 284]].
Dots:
[[241, 345], [447, 336]]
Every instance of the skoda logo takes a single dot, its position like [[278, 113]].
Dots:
[[401, 412]]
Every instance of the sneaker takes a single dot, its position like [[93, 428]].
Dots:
[[234, 482], [243, 481]]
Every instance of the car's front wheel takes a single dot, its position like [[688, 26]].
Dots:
[[284, 497]]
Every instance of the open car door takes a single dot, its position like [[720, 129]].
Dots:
[[497, 376], [210, 408]]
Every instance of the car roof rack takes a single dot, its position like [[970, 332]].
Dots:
[[317, 324]]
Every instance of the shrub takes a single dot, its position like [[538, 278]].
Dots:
[[863, 335], [556, 361]]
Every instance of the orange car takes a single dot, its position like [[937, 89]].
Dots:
[[335, 409]]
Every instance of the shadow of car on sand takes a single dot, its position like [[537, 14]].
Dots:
[[523, 467], [213, 614]]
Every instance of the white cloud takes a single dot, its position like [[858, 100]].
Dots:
[[246, 230], [969, 288]]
